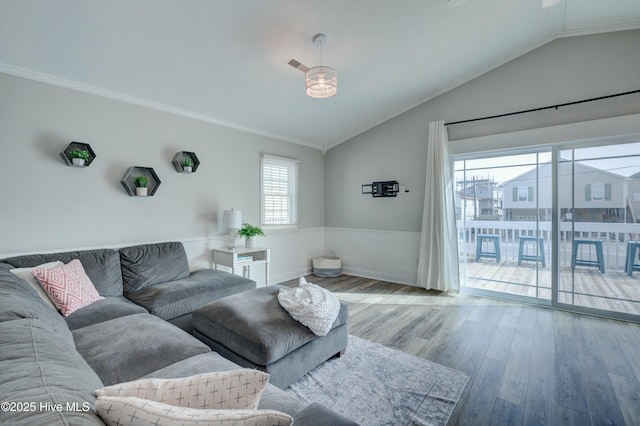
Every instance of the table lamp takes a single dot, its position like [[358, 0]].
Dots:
[[232, 219]]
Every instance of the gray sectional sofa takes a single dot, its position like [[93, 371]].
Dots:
[[50, 365]]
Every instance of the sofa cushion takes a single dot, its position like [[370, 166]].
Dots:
[[176, 298], [68, 286], [316, 414], [40, 368], [109, 308], [150, 264], [198, 364], [101, 265], [129, 347], [19, 300]]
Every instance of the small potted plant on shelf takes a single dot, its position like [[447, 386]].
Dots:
[[249, 231], [187, 164], [79, 157], [141, 186]]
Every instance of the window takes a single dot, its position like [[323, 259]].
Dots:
[[597, 192], [279, 190], [523, 193]]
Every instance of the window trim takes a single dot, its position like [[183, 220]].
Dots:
[[606, 191], [293, 191], [529, 194]]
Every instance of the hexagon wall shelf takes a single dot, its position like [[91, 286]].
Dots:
[[66, 154], [129, 179], [178, 161]]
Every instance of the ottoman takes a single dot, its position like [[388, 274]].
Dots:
[[254, 331]]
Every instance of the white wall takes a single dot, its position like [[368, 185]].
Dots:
[[291, 253], [564, 70], [48, 206], [383, 255]]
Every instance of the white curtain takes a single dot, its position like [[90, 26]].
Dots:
[[438, 262]]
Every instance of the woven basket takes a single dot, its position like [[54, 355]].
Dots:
[[327, 266]]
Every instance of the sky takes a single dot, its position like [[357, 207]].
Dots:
[[623, 159]]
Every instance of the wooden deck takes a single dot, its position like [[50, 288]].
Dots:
[[586, 286]]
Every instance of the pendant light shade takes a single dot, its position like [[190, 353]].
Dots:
[[321, 82]]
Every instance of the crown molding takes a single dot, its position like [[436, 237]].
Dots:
[[110, 94]]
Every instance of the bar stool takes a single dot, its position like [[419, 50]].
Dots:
[[522, 256], [495, 254], [587, 262], [631, 265]]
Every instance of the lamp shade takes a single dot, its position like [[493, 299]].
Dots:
[[232, 219], [321, 82]]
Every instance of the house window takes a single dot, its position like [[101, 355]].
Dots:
[[279, 191], [522, 193], [597, 192]]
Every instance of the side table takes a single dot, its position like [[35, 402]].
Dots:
[[243, 257]]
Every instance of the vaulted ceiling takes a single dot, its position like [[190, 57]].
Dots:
[[225, 61]]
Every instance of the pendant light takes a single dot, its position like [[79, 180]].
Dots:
[[321, 81]]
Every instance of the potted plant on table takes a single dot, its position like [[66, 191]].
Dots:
[[79, 157], [141, 186], [249, 231]]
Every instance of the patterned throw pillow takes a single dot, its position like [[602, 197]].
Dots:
[[220, 398], [68, 286], [124, 411], [235, 389]]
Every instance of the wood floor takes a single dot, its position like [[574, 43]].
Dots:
[[528, 365]]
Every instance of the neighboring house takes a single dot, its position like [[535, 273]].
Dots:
[[634, 198], [464, 206], [600, 195], [522, 201], [483, 199]]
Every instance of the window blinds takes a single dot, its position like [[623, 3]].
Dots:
[[279, 190]]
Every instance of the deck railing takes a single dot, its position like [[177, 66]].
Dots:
[[614, 237]]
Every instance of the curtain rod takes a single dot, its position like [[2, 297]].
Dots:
[[542, 108]]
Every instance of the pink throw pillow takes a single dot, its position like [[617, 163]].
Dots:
[[68, 286]]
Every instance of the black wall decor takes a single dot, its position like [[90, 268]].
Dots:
[[388, 188], [66, 154], [178, 161], [129, 180]]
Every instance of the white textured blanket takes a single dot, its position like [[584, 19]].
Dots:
[[310, 305]]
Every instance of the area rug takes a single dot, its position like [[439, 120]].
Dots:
[[376, 385]]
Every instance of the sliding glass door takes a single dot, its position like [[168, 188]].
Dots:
[[558, 227], [504, 225], [598, 230]]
